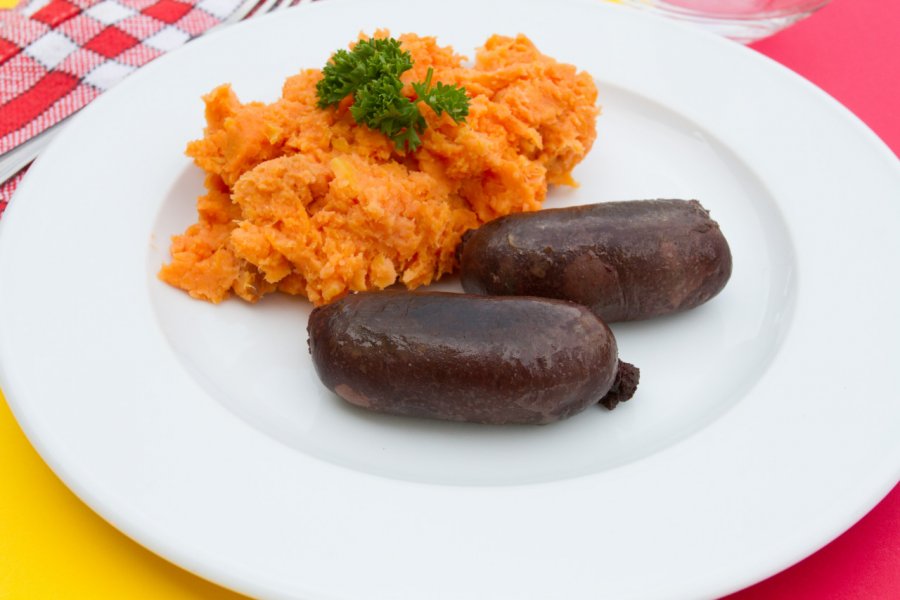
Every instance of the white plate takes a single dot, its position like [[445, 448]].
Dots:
[[767, 420]]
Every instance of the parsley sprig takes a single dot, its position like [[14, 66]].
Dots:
[[371, 73]]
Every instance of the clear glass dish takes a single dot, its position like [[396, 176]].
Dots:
[[744, 21]]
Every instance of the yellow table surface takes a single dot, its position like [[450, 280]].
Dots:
[[53, 546]]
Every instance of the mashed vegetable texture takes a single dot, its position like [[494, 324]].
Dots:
[[306, 201]]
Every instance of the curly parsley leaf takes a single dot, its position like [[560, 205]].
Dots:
[[443, 98], [371, 73], [371, 59], [379, 105]]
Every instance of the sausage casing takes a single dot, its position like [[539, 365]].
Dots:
[[624, 260], [461, 357]]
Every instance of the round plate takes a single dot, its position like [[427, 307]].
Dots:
[[766, 422]]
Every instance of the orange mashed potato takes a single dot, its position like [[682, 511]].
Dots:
[[306, 201]]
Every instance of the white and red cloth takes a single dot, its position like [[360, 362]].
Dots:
[[58, 55]]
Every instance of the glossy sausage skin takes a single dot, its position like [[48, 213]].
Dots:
[[460, 357], [624, 260]]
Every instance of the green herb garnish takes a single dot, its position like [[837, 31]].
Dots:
[[371, 59], [443, 98], [371, 73]]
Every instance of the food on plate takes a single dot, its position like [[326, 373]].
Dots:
[[462, 357], [308, 201], [623, 260]]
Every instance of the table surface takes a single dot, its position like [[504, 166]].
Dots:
[[53, 546]]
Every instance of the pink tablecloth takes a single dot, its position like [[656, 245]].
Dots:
[[851, 49]]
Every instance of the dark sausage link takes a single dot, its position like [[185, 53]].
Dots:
[[461, 357], [624, 260]]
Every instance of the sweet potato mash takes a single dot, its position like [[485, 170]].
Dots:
[[306, 201]]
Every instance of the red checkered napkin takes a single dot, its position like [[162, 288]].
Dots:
[[58, 55]]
